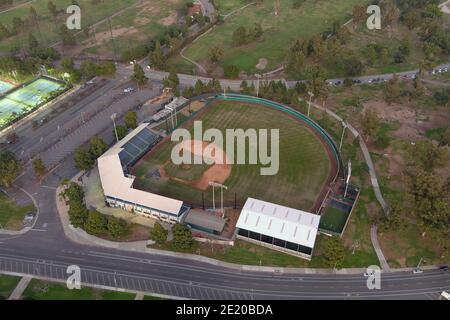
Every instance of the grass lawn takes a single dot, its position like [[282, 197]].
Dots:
[[312, 18], [304, 163], [47, 30], [7, 285], [136, 25], [405, 247], [11, 215], [152, 298], [43, 290]]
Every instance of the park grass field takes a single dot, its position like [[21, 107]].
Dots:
[[47, 31], [313, 17], [304, 162], [7, 285], [43, 290], [11, 215], [136, 25]]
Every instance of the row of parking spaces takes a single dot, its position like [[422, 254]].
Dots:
[[118, 280]]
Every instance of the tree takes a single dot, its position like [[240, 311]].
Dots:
[[97, 147], [359, 12], [67, 37], [32, 42], [392, 90], [231, 71], [116, 227], [430, 193], [96, 223], [182, 237], [215, 53], [256, 32], [39, 167], [83, 159], [131, 120], [384, 56], [353, 66], [121, 132], [369, 123], [428, 156], [411, 19], [172, 80], [10, 168], [88, 69], [4, 32], [67, 64], [334, 253], [139, 75], [158, 234], [78, 214], [52, 8], [395, 220], [239, 36], [72, 192], [157, 58]]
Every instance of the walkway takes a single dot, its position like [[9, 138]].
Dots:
[[377, 247], [20, 288]]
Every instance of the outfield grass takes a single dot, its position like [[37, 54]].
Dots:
[[47, 32], [313, 17], [43, 290], [7, 285], [304, 163], [11, 215]]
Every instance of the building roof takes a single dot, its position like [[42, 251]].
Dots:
[[116, 184], [279, 222], [205, 220]]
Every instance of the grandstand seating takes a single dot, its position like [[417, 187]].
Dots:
[[137, 146]]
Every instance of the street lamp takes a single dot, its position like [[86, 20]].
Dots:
[[258, 76], [113, 118], [309, 103]]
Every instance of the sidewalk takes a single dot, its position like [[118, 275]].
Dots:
[[20, 288]]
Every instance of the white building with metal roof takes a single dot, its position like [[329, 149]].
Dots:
[[278, 227], [117, 184]]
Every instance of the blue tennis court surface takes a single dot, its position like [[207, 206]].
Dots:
[[5, 86], [26, 99]]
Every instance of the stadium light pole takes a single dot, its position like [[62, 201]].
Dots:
[[113, 118], [344, 125], [221, 186], [309, 103], [348, 177]]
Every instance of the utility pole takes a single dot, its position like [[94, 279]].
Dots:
[[112, 39]]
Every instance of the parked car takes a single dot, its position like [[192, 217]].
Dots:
[[444, 267], [128, 90]]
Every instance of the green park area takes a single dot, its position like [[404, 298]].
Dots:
[[135, 26], [311, 18], [46, 28], [7, 285], [11, 214], [43, 290]]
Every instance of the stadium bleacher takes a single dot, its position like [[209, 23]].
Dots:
[[134, 149]]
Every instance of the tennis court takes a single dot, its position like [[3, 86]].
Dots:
[[5, 86], [25, 99]]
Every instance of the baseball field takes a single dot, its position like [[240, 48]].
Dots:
[[304, 163]]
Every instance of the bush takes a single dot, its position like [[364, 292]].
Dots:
[[182, 238], [116, 227], [96, 223], [158, 234]]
